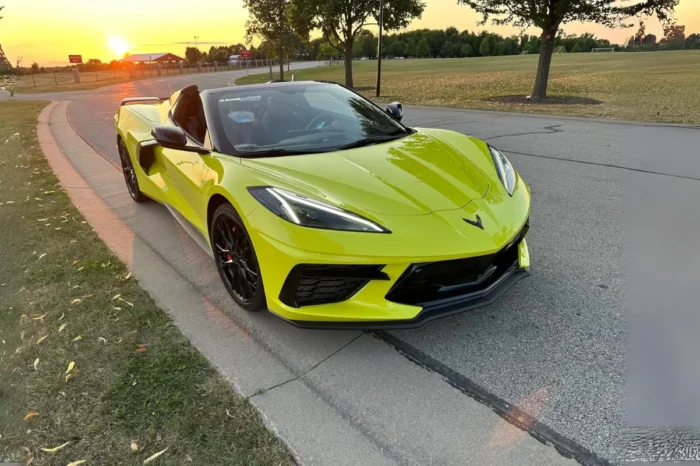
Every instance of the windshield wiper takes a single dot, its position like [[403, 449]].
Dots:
[[373, 140]]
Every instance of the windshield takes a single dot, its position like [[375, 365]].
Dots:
[[298, 119]]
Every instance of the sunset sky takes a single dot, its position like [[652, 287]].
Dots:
[[47, 31]]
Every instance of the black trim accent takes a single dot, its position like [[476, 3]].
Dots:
[[428, 313], [441, 283], [146, 155], [303, 276], [510, 413]]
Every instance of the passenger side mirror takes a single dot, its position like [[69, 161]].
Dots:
[[173, 137], [395, 109]]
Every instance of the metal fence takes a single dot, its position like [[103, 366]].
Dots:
[[63, 78]]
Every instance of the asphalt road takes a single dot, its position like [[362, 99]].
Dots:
[[556, 344]]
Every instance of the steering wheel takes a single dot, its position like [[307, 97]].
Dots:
[[320, 121]]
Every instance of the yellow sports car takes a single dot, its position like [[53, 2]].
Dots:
[[323, 208]]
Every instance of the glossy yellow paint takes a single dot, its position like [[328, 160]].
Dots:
[[420, 187]]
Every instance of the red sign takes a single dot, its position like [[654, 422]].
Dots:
[[246, 54], [75, 58]]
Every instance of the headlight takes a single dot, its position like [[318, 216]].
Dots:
[[311, 213], [505, 170]]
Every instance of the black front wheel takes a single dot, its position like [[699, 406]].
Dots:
[[236, 260], [132, 184]]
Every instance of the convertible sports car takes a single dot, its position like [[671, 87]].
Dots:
[[323, 208]]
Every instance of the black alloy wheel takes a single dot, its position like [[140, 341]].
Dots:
[[236, 260], [132, 183]]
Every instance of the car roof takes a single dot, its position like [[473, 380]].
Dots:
[[269, 85]]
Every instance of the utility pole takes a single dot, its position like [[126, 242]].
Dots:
[[379, 48], [196, 48]]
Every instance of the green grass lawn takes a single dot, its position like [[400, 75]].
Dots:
[[89, 366], [654, 86]]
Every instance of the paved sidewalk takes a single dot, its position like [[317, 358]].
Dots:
[[340, 397]]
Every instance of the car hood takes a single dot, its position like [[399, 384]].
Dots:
[[414, 175]]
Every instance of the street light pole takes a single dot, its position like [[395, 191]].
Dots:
[[379, 48]]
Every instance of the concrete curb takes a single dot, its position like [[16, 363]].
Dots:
[[334, 397]]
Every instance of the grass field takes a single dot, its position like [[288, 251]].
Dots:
[[90, 369], [655, 86]]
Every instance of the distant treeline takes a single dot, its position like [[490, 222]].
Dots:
[[428, 43]]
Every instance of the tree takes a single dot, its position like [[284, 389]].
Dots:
[[649, 40], [549, 15], [446, 50], [93, 62], [192, 55], [466, 50], [268, 21], [674, 35], [692, 42], [423, 49], [485, 47], [35, 67], [342, 20], [397, 49]]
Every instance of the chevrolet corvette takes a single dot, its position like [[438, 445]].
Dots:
[[322, 207]]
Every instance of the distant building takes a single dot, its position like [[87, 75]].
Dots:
[[234, 59], [162, 57], [5, 64]]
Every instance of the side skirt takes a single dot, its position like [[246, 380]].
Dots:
[[191, 230]]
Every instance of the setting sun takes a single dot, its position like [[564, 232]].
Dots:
[[118, 46]]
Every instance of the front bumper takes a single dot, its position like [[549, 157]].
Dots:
[[316, 290]]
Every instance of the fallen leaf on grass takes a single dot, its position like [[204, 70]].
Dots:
[[102, 339], [127, 302], [116, 296], [128, 276], [228, 414], [41, 317], [75, 261], [116, 308], [55, 449], [41, 219], [41, 256], [81, 268], [42, 339], [49, 192], [68, 377], [63, 394], [74, 241], [78, 338], [153, 457], [141, 349], [36, 363], [134, 445], [60, 329], [62, 316], [76, 286], [76, 463], [9, 202], [76, 301], [71, 365], [30, 415]]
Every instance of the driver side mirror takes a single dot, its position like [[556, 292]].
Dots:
[[395, 110], [173, 137]]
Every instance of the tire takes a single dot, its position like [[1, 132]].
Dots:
[[236, 260], [132, 183]]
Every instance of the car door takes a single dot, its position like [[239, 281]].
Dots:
[[186, 171]]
